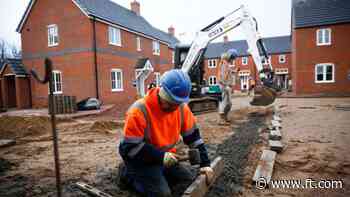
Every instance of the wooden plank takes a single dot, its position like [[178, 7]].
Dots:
[[265, 166], [276, 145], [199, 187], [91, 190], [6, 143], [275, 135]]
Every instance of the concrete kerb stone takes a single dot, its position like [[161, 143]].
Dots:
[[275, 135], [277, 118], [7, 142], [276, 145], [264, 170], [276, 124]]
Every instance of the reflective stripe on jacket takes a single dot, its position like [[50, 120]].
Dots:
[[147, 123]]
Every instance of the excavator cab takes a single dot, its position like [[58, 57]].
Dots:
[[199, 102]]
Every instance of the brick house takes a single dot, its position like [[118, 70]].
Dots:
[[279, 49], [94, 46], [320, 47]]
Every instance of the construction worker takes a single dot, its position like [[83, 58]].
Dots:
[[227, 78], [153, 127]]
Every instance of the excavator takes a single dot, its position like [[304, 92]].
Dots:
[[190, 58]]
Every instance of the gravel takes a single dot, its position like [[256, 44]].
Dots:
[[235, 151]]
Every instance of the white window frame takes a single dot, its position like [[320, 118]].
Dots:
[[113, 72], [282, 57], [212, 63], [324, 72], [212, 77], [114, 36], [156, 47], [51, 35], [264, 62], [157, 76], [55, 82], [244, 60], [321, 41], [138, 43]]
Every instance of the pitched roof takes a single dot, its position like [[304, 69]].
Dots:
[[309, 13], [16, 66], [274, 45], [111, 12], [140, 63]]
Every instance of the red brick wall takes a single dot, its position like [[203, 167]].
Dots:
[[251, 66], [1, 102], [78, 70], [307, 54]]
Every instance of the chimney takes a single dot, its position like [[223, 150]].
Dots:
[[171, 30], [225, 39], [135, 7]]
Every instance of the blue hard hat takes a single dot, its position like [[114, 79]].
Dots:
[[177, 85], [229, 55]]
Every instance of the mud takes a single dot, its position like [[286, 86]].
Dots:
[[12, 127], [235, 151]]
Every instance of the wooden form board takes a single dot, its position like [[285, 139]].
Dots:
[[199, 187], [265, 166]]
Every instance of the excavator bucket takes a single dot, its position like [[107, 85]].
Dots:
[[263, 96]]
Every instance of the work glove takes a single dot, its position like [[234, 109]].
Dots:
[[169, 159], [208, 172]]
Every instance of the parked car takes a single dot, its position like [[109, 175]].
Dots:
[[89, 104]]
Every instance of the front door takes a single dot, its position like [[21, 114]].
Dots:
[[11, 91], [244, 83]]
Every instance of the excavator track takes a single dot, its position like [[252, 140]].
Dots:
[[203, 104]]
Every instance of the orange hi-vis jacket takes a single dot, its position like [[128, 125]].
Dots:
[[147, 123]]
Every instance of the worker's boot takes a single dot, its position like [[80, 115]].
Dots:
[[122, 180], [223, 121]]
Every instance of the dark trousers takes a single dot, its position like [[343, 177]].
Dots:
[[154, 180]]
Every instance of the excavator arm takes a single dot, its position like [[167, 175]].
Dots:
[[265, 93]]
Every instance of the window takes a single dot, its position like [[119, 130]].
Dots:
[[282, 59], [266, 61], [212, 63], [323, 37], [117, 80], [324, 73], [173, 57], [114, 36], [157, 74], [52, 32], [212, 80], [57, 82], [244, 60], [138, 43], [156, 49]]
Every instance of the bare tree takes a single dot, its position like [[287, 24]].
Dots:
[[15, 51], [2, 50]]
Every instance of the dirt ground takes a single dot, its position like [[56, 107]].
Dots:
[[315, 132], [316, 136]]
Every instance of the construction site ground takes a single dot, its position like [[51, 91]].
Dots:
[[316, 135]]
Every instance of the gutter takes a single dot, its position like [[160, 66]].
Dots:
[[94, 48]]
